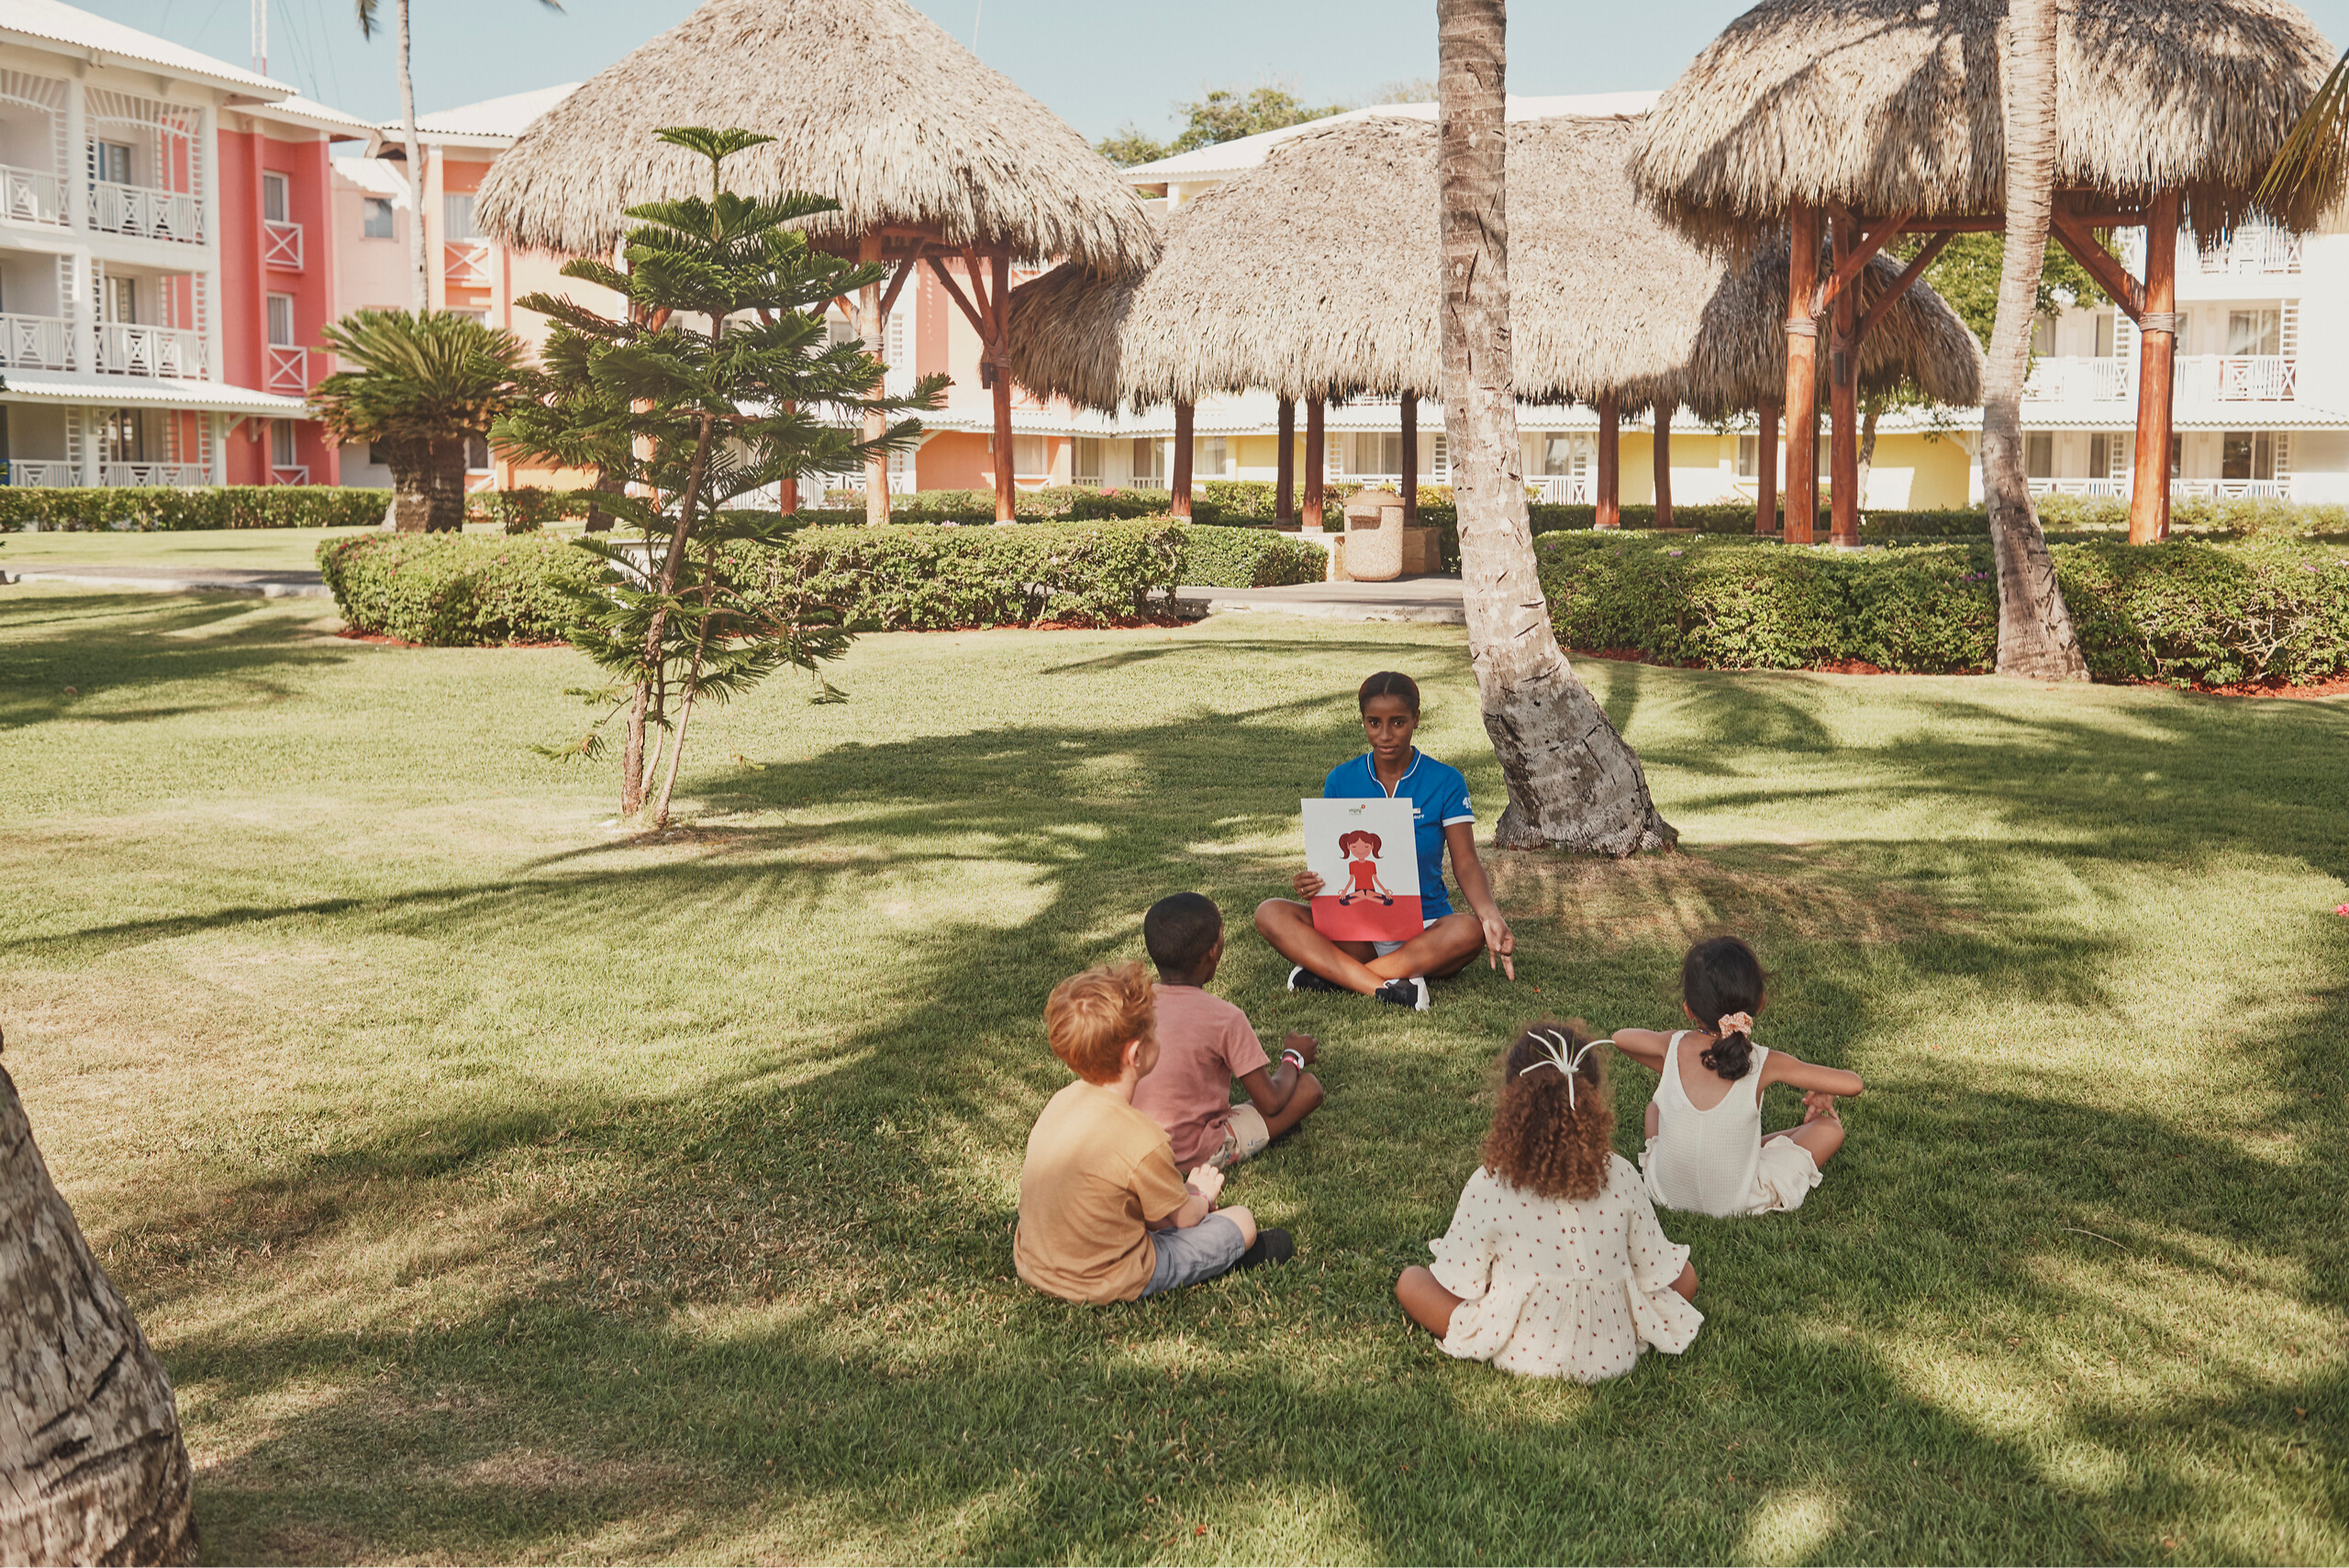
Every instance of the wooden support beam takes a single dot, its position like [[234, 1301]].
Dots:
[[1410, 459], [1978, 223], [1285, 486], [954, 289], [1661, 453], [2101, 265], [1611, 463], [1802, 374], [999, 352], [1765, 469], [2156, 357], [1180, 483], [1844, 397], [906, 269], [1857, 255], [1909, 275], [1316, 463]]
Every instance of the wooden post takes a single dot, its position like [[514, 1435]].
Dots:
[[874, 330], [1611, 463], [1843, 396], [787, 493], [1007, 508], [2156, 359], [1180, 481], [1285, 486], [1316, 463], [1410, 459], [1765, 469], [1663, 412], [1802, 373]]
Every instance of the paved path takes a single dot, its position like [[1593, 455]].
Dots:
[[1406, 598], [180, 580]]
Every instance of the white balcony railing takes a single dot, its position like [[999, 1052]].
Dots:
[[281, 246], [2075, 379], [2236, 378], [899, 483], [2256, 250], [289, 474], [127, 348], [1559, 489], [2229, 489], [28, 196], [39, 473], [2103, 488], [465, 263], [289, 370], [148, 214], [175, 475], [35, 343]]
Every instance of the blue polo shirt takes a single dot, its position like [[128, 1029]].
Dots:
[[1439, 798]]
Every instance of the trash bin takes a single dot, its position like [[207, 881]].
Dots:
[[1374, 536]]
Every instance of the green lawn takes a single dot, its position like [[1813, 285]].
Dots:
[[498, 1186]]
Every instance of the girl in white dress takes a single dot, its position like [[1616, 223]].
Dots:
[[1554, 1265], [1704, 1150]]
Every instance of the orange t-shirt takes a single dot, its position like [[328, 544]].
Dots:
[[1097, 1170], [1203, 1043]]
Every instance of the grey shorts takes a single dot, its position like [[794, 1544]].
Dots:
[[1187, 1257]]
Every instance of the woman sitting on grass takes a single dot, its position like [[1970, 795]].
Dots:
[[1554, 1265], [1441, 819], [1706, 1152]]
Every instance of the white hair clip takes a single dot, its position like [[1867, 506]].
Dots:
[[1564, 1058]]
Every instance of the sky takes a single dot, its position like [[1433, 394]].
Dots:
[[1100, 64]]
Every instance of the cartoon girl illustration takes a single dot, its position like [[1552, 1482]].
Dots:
[[1361, 849]]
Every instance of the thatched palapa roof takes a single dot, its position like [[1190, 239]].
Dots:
[[870, 102], [1894, 106], [1318, 274]]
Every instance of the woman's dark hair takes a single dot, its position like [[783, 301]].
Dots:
[[1543, 1139], [1720, 976], [1389, 683]]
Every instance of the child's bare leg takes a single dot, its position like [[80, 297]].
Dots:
[[1439, 952], [1425, 1302], [1687, 1283], [1302, 1101], [1822, 1135], [1242, 1218], [1288, 925]]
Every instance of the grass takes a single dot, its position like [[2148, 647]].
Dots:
[[500, 1185]]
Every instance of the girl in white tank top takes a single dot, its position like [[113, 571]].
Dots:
[[1706, 1152]]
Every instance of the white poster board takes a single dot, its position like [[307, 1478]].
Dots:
[[1366, 854]]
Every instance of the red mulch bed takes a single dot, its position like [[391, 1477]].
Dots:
[[2330, 686]]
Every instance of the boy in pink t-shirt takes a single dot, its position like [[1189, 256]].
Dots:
[[1205, 1043]]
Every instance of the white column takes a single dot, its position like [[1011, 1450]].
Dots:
[[77, 172], [92, 443], [215, 442], [210, 299]]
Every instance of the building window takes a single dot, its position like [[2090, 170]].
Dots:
[[123, 436], [1032, 457], [2100, 452], [1749, 455], [2177, 457], [1087, 469], [2247, 455], [1210, 455], [274, 202], [281, 321], [120, 299], [281, 443], [110, 162], [1374, 454], [457, 216], [2253, 332], [1150, 463], [477, 454], [2104, 335], [1558, 454], [2042, 335], [2039, 454], [375, 218]]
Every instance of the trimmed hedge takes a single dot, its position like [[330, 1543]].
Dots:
[[2184, 612], [457, 590], [73, 510], [1078, 503]]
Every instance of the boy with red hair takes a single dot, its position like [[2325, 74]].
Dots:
[[1104, 1214]]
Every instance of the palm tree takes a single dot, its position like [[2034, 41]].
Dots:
[[2036, 637], [423, 387], [2312, 167], [91, 1460], [1572, 783], [419, 287]]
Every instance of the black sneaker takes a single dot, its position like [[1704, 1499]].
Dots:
[[1270, 1247], [1412, 993], [1303, 979]]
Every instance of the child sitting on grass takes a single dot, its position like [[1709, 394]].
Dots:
[[1205, 1042], [1704, 1150], [1554, 1265], [1104, 1214]]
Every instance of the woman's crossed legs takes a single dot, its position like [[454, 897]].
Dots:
[[1438, 953]]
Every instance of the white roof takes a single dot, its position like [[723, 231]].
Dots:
[[310, 112], [50, 21], [147, 392], [493, 118], [376, 176], [1229, 158]]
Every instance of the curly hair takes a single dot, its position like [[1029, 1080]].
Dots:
[[1093, 1017], [1542, 1142]]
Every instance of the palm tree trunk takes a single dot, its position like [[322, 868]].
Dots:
[[1572, 783], [2036, 637], [92, 1467], [1868, 452], [420, 293]]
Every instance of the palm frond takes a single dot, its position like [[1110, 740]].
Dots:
[[2312, 166]]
